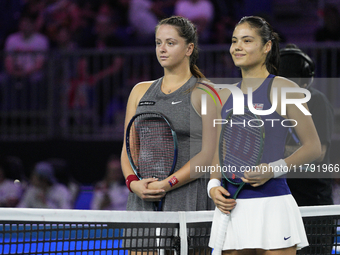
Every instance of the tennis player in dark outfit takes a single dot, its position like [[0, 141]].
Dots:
[[264, 218], [310, 191]]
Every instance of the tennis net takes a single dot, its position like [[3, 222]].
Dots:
[[90, 232]]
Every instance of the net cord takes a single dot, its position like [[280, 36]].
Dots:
[[183, 219], [103, 216]]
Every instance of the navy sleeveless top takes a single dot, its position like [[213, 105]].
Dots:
[[274, 144]]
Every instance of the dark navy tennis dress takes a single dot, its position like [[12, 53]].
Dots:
[[265, 217], [274, 144]]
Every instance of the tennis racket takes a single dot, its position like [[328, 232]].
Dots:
[[151, 145], [240, 146]]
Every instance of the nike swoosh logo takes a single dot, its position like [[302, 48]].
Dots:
[[286, 238], [176, 102]]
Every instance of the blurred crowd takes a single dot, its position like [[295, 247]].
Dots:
[[30, 28], [67, 24], [49, 184], [89, 23]]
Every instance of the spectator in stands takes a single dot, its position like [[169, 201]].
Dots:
[[143, 17], [105, 31], [87, 14], [311, 190], [200, 12], [10, 189], [37, 9], [64, 39], [24, 63], [111, 193], [64, 176], [100, 72], [44, 191], [116, 12], [61, 13]]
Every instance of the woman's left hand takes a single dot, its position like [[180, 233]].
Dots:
[[258, 177], [156, 185]]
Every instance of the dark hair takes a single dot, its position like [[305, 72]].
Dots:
[[266, 32], [187, 30]]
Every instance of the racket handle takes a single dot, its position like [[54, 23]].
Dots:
[[159, 205], [221, 233]]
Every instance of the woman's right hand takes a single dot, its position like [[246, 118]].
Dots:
[[140, 188], [219, 196]]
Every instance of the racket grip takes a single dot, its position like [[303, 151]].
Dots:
[[221, 233]]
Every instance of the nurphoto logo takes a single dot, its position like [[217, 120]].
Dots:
[[238, 100]]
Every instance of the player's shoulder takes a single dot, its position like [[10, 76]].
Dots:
[[282, 82], [204, 84], [141, 87], [225, 88], [138, 91], [143, 84], [225, 91]]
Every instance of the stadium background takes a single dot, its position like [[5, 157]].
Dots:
[[85, 138]]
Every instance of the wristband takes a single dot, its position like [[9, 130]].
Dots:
[[212, 184], [279, 168], [129, 179], [173, 181]]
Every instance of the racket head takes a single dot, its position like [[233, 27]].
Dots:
[[151, 145], [241, 145]]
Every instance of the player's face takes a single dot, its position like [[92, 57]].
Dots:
[[171, 49], [247, 49]]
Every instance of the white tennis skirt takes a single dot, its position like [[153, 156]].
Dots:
[[262, 223]]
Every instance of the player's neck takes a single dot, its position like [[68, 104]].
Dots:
[[259, 71], [253, 78], [172, 81]]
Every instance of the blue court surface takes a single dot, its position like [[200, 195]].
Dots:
[[66, 241]]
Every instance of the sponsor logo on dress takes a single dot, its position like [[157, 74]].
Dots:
[[177, 102], [146, 103]]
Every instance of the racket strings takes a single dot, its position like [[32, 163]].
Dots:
[[153, 146], [238, 155], [240, 144]]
